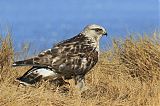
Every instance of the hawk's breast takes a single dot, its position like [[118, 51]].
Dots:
[[78, 57]]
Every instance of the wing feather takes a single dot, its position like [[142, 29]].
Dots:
[[73, 56]]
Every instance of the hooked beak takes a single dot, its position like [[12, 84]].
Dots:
[[105, 34]]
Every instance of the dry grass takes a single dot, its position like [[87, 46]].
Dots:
[[126, 75]]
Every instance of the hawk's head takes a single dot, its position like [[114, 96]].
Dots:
[[94, 31]]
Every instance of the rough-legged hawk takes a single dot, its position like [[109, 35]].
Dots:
[[69, 59]]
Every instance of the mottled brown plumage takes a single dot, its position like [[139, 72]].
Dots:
[[71, 58]]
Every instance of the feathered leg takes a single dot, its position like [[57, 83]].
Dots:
[[80, 82]]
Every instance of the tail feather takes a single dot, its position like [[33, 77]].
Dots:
[[30, 77], [28, 62], [35, 74], [29, 81]]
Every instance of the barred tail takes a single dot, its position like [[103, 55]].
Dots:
[[36, 74], [30, 77]]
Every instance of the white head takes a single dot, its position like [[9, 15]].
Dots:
[[94, 31]]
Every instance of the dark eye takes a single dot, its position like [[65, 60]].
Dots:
[[98, 30]]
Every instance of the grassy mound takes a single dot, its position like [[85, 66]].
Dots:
[[126, 75]]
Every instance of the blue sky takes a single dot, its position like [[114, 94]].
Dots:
[[44, 22]]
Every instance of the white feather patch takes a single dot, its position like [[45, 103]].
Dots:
[[45, 72]]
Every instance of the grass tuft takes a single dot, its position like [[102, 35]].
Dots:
[[126, 75]]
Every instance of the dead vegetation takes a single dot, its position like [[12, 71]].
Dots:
[[126, 75]]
